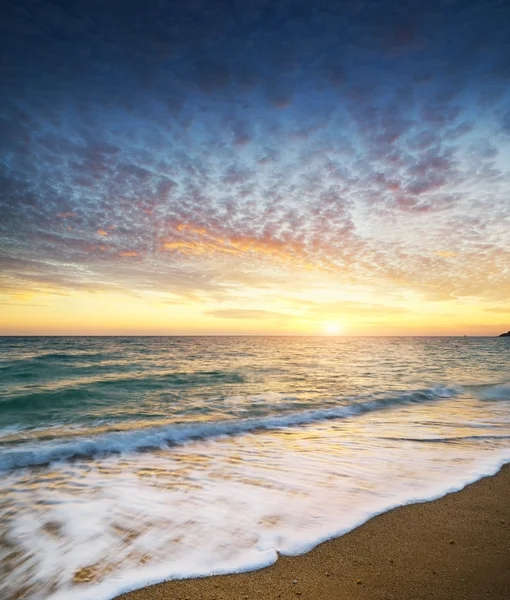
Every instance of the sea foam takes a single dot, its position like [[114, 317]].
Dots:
[[92, 530]]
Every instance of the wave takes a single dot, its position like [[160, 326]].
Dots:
[[44, 398], [93, 387], [58, 357], [141, 440], [494, 392], [448, 439], [70, 356]]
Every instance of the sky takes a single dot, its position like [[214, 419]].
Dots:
[[278, 167]]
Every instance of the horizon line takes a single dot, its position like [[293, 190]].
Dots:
[[162, 335]]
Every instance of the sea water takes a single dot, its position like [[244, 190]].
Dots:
[[126, 461]]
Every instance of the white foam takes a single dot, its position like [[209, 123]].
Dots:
[[227, 504]]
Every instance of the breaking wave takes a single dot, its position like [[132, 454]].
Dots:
[[140, 440]]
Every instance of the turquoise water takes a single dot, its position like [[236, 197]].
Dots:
[[125, 461]]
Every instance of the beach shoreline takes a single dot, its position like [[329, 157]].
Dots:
[[457, 546]]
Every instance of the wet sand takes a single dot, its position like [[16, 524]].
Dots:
[[456, 547]]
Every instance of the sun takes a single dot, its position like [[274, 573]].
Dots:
[[332, 328]]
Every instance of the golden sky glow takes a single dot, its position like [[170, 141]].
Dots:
[[200, 281], [325, 310], [197, 281]]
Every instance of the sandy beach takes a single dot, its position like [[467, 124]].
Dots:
[[455, 547]]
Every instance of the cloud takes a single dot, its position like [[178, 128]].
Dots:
[[246, 314], [349, 308], [161, 149], [498, 309], [446, 253]]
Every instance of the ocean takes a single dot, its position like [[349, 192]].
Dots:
[[130, 460]]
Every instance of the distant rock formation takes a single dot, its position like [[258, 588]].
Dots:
[[505, 334]]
